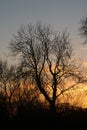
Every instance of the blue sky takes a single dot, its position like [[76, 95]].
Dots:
[[60, 14]]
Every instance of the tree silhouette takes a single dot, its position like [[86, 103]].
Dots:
[[45, 59], [83, 28]]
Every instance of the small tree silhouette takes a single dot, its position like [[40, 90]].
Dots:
[[83, 28]]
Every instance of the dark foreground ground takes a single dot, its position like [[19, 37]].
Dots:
[[47, 120]]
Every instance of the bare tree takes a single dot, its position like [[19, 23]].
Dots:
[[6, 87], [83, 28], [45, 56]]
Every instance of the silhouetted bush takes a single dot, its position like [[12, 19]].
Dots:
[[29, 115]]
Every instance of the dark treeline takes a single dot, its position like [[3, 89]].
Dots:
[[30, 92]]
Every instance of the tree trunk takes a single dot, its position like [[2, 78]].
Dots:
[[53, 107]]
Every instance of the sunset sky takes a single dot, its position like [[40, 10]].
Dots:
[[60, 14]]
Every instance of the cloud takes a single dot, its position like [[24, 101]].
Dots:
[[83, 48], [84, 64]]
